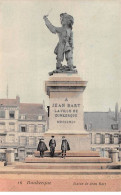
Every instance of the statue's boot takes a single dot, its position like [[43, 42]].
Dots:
[[58, 65], [70, 63]]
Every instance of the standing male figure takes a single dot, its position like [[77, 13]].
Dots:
[[65, 44], [42, 147], [64, 146], [52, 145]]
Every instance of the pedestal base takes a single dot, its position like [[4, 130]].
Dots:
[[77, 142]]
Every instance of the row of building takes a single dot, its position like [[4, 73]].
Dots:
[[22, 124], [104, 129]]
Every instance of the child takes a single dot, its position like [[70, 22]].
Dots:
[[52, 144], [42, 147], [64, 146]]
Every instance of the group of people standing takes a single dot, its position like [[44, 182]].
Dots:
[[52, 144]]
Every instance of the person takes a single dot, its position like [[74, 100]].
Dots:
[[65, 44], [52, 145], [42, 147], [64, 146]]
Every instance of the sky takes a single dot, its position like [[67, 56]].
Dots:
[[27, 49]]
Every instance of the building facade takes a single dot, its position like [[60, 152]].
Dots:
[[21, 126], [105, 130]]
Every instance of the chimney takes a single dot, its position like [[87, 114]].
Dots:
[[18, 99]]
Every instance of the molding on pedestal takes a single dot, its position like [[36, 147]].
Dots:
[[64, 82]]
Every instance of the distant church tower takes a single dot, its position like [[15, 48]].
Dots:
[[116, 112]]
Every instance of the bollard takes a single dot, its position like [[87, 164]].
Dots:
[[119, 154], [114, 155], [9, 156]]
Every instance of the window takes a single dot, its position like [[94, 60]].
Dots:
[[23, 128], [43, 128], [11, 138], [116, 139], [31, 128], [40, 128], [40, 117], [2, 157], [22, 154], [114, 126], [31, 141], [98, 138], [12, 126], [23, 117], [2, 139], [107, 138], [88, 127], [11, 114], [29, 153], [2, 114], [22, 140], [2, 125]]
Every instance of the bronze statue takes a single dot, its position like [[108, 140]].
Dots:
[[65, 44]]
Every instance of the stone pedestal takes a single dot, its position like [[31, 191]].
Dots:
[[114, 155], [9, 156], [65, 93]]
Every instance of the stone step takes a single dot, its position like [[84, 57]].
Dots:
[[75, 167], [88, 166], [68, 160], [11, 170], [71, 154], [60, 167]]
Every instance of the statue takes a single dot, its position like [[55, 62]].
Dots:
[[65, 44]]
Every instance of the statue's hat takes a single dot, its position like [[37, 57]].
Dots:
[[68, 17]]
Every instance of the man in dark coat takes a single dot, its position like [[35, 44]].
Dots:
[[52, 145], [42, 147], [64, 146]]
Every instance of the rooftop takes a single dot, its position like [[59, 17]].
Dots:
[[8, 102], [100, 120], [31, 109]]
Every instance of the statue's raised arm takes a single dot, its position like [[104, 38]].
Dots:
[[49, 25], [65, 44]]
